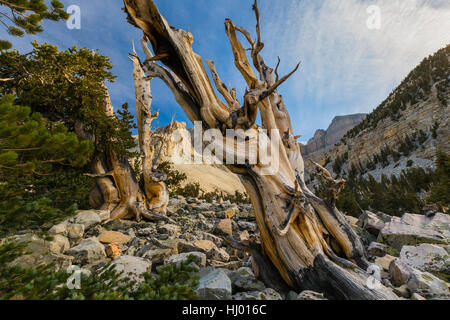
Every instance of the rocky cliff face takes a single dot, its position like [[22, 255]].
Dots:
[[406, 130], [325, 139], [179, 143]]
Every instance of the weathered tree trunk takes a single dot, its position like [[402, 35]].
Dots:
[[116, 187], [308, 241]]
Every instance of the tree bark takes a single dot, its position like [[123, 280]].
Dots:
[[116, 187], [307, 239]]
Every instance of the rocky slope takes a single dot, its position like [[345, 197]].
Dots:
[[408, 253], [406, 130], [323, 140]]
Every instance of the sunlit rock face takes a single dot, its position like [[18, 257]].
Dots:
[[324, 139]]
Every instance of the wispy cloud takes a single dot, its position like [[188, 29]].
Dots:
[[346, 68]]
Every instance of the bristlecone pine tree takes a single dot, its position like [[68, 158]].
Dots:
[[117, 188], [305, 241]]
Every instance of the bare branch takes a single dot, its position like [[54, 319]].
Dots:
[[272, 89], [222, 88], [276, 70]]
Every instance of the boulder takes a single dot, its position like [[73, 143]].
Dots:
[[59, 244], [214, 285], [60, 228], [132, 267], [224, 227], [267, 294], [384, 261], [197, 245], [104, 215], [377, 249], [310, 295], [75, 231], [370, 222], [243, 279], [88, 218], [218, 254], [157, 256], [244, 225], [244, 235], [416, 296], [177, 258], [169, 229], [352, 220], [88, 251], [208, 236], [426, 257], [427, 285], [113, 237], [412, 229], [402, 291], [113, 250], [399, 272], [40, 253]]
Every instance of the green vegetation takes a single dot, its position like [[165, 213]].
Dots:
[[193, 190], [68, 87], [440, 191], [31, 149], [175, 179], [42, 282], [393, 195], [25, 16], [46, 146]]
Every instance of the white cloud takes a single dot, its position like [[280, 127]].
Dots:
[[347, 67]]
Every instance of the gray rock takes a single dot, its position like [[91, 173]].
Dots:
[[88, 251], [310, 295], [169, 229], [402, 291], [157, 256], [247, 225], [243, 279], [88, 218], [218, 254], [214, 285], [400, 272], [377, 249], [59, 244], [177, 258], [426, 257], [104, 215], [427, 285], [414, 229], [208, 236], [60, 228], [40, 253], [370, 222], [132, 267], [75, 231], [177, 202], [266, 294], [416, 296]]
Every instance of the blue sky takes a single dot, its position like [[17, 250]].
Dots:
[[346, 67]]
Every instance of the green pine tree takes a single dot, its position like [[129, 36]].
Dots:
[[25, 17]]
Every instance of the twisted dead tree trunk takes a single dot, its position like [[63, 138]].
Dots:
[[306, 239], [116, 187]]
